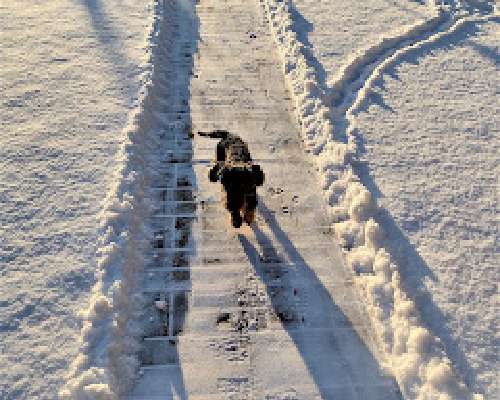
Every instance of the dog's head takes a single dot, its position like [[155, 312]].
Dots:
[[237, 152]]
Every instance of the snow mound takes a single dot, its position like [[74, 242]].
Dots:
[[110, 337], [413, 355]]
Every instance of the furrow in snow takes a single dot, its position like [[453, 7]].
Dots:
[[449, 27], [269, 310], [340, 88], [165, 280], [110, 336], [414, 356]]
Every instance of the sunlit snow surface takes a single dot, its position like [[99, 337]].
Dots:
[[429, 143], [428, 136], [69, 73], [431, 151]]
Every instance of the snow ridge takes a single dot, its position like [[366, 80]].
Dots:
[[110, 339], [449, 26], [414, 356], [356, 67]]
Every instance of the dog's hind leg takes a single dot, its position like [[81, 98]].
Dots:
[[250, 206], [249, 216], [236, 219]]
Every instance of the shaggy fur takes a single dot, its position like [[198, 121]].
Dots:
[[239, 176]]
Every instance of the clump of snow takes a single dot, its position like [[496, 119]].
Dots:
[[441, 191], [413, 355], [110, 337]]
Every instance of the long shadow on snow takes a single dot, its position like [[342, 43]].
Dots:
[[188, 32], [303, 27], [108, 37], [487, 52], [414, 269], [178, 121], [311, 344]]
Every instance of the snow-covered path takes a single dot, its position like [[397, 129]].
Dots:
[[262, 312]]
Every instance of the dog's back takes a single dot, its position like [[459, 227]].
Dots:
[[234, 168]]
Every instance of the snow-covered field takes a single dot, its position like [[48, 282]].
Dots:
[[69, 74], [402, 94], [431, 153], [428, 142]]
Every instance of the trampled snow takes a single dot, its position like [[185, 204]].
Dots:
[[395, 102]]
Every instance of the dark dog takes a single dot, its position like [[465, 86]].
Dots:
[[239, 176]]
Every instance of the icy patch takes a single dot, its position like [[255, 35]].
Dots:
[[415, 357]]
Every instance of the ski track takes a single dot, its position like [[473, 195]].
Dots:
[[419, 364], [369, 78]]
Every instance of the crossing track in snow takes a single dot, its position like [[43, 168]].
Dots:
[[354, 92], [353, 209], [348, 92], [266, 311]]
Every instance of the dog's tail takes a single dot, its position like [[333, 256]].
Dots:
[[217, 134]]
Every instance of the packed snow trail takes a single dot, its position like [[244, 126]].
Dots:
[[262, 312]]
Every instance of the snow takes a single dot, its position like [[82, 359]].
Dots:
[[351, 234], [434, 163], [70, 73], [422, 372], [110, 338], [271, 309], [394, 102]]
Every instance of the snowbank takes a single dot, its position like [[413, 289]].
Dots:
[[413, 355], [435, 162], [110, 337]]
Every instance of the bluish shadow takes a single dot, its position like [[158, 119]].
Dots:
[[490, 53], [414, 272], [367, 370], [110, 40], [303, 27], [179, 75], [171, 79]]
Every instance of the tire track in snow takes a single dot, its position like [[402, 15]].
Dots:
[[272, 313], [414, 355]]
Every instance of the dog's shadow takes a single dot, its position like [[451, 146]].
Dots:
[[333, 376]]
